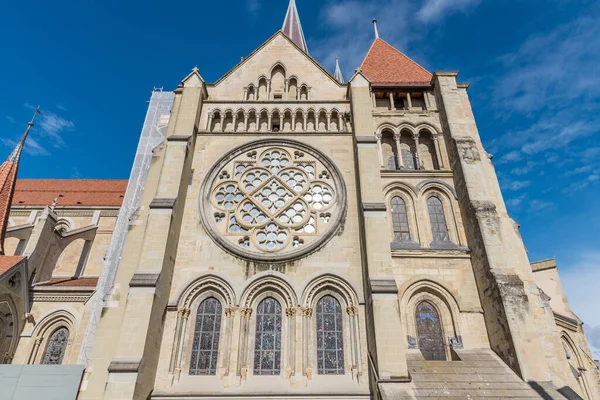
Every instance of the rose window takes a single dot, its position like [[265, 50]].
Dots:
[[273, 208]]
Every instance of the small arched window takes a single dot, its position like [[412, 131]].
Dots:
[[429, 332], [330, 337], [267, 347], [205, 348], [400, 220], [438, 220], [57, 344]]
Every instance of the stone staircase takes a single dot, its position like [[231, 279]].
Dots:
[[479, 374]]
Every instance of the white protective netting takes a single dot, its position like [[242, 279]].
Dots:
[[153, 134]]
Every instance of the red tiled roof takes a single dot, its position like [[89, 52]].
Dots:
[[7, 262], [70, 282], [386, 65], [70, 192]]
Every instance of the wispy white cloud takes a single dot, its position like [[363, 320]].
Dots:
[[253, 6], [53, 125], [510, 184], [576, 276], [436, 9], [32, 147], [10, 119]]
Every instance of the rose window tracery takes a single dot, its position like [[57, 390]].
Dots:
[[272, 208]]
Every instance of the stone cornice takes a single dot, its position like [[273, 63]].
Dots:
[[415, 174]]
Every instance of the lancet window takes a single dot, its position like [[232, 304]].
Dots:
[[267, 348], [429, 332], [400, 220], [437, 219], [330, 337], [57, 344], [205, 347]]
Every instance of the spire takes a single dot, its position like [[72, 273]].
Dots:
[[8, 180], [375, 26], [292, 26], [338, 72]]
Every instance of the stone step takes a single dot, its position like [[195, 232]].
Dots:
[[463, 378], [482, 393], [455, 369], [475, 385]]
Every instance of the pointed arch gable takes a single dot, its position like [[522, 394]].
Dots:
[[269, 281], [331, 282], [429, 184], [198, 285], [278, 64]]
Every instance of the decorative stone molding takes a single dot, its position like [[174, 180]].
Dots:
[[124, 366], [384, 286], [275, 200], [141, 279], [163, 203], [366, 140], [374, 207], [179, 138]]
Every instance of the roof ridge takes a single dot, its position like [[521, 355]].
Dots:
[[368, 52]]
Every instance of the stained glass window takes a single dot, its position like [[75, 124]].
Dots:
[[429, 332], [205, 348], [400, 220], [57, 344], [330, 337], [267, 348], [438, 220]]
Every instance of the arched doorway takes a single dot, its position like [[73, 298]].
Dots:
[[429, 332]]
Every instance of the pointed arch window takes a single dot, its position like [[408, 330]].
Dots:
[[330, 337], [57, 344], [429, 332], [205, 348], [267, 347], [438, 220], [400, 220]]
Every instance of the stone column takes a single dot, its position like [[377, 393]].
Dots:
[[317, 118], [341, 128], [392, 105], [245, 315], [328, 128], [379, 149], [287, 89], [291, 327], [418, 150], [408, 101], [268, 89], [293, 122], [269, 121], [398, 150], [306, 318], [438, 153], [246, 118], [210, 119], [427, 101], [309, 93], [234, 120], [182, 320], [245, 94], [281, 115], [222, 122], [229, 316], [305, 122]]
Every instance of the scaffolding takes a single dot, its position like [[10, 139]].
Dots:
[[153, 134]]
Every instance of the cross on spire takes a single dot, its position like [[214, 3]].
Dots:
[[292, 26]]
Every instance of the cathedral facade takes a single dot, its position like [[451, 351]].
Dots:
[[295, 237]]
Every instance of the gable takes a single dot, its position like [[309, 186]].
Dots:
[[386, 65], [278, 59]]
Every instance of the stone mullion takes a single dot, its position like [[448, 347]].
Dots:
[[182, 320], [306, 323], [242, 367], [229, 315], [379, 149], [291, 327], [418, 150], [398, 150], [438, 153]]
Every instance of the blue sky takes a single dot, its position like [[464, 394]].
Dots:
[[533, 66]]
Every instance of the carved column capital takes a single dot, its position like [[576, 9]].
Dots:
[[352, 311], [397, 136], [290, 311], [246, 312], [378, 136], [307, 312], [229, 311], [184, 312]]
